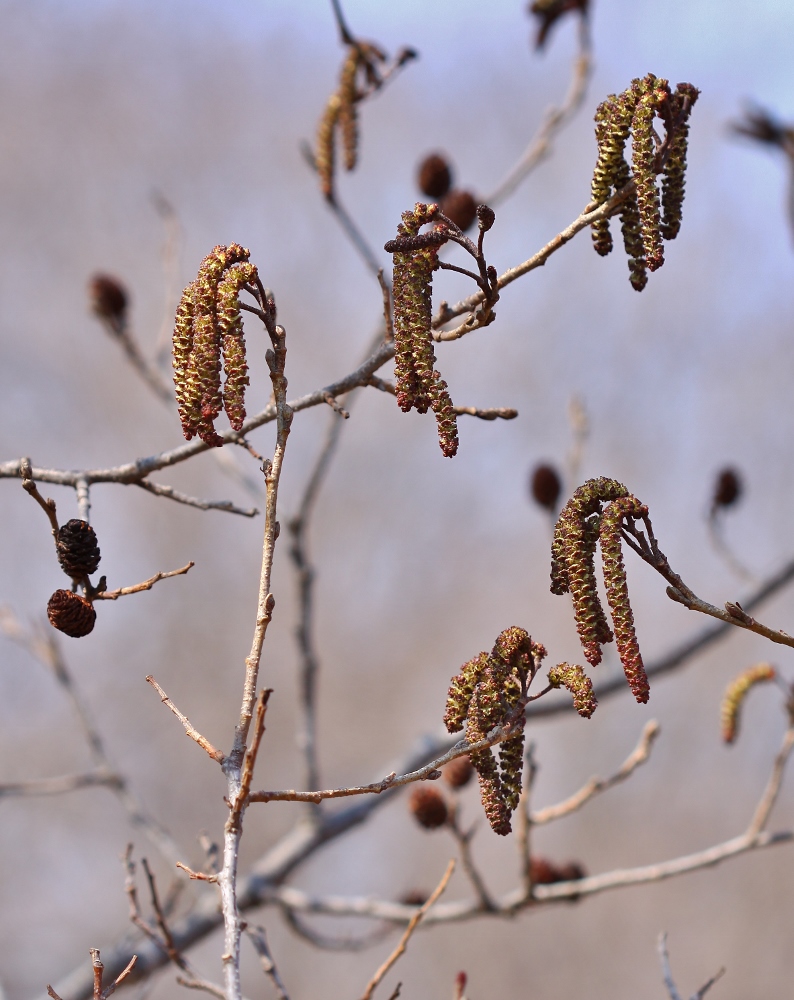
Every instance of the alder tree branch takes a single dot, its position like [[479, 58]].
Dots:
[[44, 646], [667, 975], [190, 730], [541, 144], [137, 588]]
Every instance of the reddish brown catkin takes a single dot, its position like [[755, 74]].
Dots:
[[574, 679], [618, 592]]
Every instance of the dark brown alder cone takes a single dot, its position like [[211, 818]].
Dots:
[[545, 486], [428, 807], [78, 549], [71, 614], [434, 176], [460, 207], [728, 489], [108, 297], [459, 772], [549, 12]]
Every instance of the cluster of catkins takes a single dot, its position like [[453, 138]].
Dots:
[[341, 113], [643, 223], [583, 523], [209, 330], [481, 696], [418, 383], [78, 555], [735, 694]]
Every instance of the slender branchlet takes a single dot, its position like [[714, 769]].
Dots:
[[208, 336], [574, 679], [644, 222], [487, 692], [735, 694], [583, 522]]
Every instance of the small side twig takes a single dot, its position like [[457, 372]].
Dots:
[[29, 486], [414, 922], [667, 974], [463, 839], [113, 595], [160, 490], [99, 993], [257, 937], [190, 730]]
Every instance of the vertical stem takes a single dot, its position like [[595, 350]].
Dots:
[[233, 766], [83, 499]]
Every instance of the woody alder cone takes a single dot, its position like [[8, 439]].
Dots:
[[545, 487], [70, 613], [458, 772], [461, 208], [428, 807], [108, 297], [727, 489], [78, 550], [435, 177]]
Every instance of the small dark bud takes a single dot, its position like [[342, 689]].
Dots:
[[414, 897], [543, 872], [545, 487], [486, 217], [428, 807], [728, 489], [460, 985], [108, 297], [548, 12], [458, 772], [434, 176], [460, 207], [71, 614], [78, 549], [571, 871]]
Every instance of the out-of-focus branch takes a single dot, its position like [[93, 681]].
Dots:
[[160, 490], [540, 146], [667, 975], [97, 975], [463, 839], [595, 786], [60, 785], [256, 935], [413, 923], [491, 413], [44, 646]]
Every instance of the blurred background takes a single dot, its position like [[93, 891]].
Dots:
[[106, 109]]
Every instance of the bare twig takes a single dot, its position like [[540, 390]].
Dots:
[[44, 647], [60, 785], [257, 937], [160, 490], [113, 595], [326, 942], [29, 486], [595, 786], [190, 730], [463, 839], [98, 969], [413, 923], [540, 147], [492, 413], [667, 974]]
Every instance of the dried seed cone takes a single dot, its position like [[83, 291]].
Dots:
[[109, 298], [78, 549], [460, 207], [573, 678], [428, 807], [618, 592], [435, 176], [458, 773], [735, 694], [545, 486], [71, 614]]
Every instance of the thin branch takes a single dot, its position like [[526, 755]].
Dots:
[[113, 595], [118, 329], [256, 935], [540, 146], [772, 790], [595, 786], [29, 486], [160, 490], [667, 974], [60, 785], [190, 730], [45, 647], [492, 413], [327, 943], [463, 840], [414, 922]]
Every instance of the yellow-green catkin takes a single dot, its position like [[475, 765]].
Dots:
[[735, 694]]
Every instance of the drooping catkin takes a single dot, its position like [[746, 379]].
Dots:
[[633, 113], [482, 696], [419, 385], [208, 338], [735, 694], [573, 678], [583, 524]]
